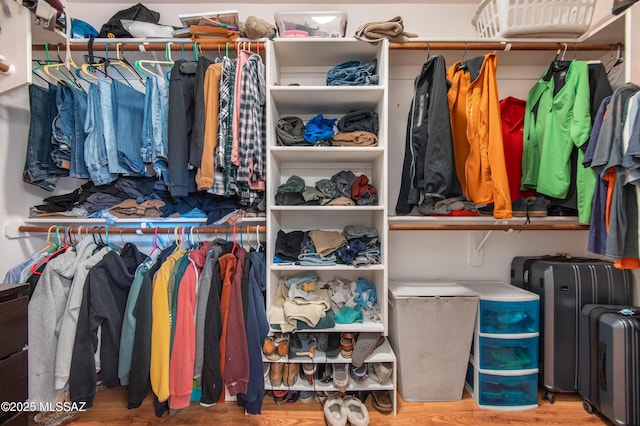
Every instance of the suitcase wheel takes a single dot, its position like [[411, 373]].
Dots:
[[587, 407], [549, 396]]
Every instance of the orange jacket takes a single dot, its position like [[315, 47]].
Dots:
[[477, 133]]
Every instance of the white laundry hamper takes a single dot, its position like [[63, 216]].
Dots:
[[497, 19]]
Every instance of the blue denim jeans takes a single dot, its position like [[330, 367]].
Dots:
[[95, 152], [78, 165], [63, 127], [129, 109], [107, 105], [155, 127], [353, 73], [39, 168]]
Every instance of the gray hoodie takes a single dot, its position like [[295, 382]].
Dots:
[[46, 309]]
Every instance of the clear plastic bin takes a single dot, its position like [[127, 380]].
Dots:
[[331, 24], [508, 354]]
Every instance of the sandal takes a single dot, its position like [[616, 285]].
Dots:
[[347, 344], [382, 401]]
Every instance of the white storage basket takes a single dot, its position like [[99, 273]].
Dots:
[[533, 18]]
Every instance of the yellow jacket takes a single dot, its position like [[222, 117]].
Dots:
[[161, 328], [476, 127]]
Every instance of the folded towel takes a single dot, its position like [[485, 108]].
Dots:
[[392, 29]]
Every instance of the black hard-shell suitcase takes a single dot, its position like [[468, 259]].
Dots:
[[564, 286], [610, 362]]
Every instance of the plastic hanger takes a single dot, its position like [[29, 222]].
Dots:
[[120, 62], [139, 64], [106, 240], [156, 247], [258, 238], [58, 249]]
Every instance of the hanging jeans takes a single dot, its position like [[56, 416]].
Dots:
[[39, 168], [78, 165], [95, 154], [155, 125], [128, 109], [63, 127]]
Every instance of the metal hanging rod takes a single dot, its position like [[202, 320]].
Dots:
[[156, 46], [506, 46], [485, 227], [417, 45], [138, 231]]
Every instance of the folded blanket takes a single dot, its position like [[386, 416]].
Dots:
[[392, 29]]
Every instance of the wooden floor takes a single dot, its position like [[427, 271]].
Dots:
[[110, 409]]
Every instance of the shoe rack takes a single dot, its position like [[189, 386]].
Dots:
[[295, 381], [296, 86]]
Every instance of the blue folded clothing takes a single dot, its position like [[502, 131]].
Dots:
[[319, 129]]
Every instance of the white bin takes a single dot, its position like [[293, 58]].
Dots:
[[431, 329]]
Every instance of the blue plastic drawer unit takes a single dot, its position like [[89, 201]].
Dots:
[[509, 317], [470, 375], [507, 390], [508, 353]]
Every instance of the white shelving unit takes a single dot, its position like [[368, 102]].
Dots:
[[296, 86], [383, 353]]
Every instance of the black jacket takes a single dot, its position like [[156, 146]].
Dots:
[[428, 171], [103, 304], [139, 381]]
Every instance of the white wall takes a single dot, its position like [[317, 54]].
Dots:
[[413, 254]]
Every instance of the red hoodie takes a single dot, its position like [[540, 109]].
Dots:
[[236, 375], [183, 351]]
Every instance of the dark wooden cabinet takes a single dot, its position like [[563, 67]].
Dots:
[[14, 299]]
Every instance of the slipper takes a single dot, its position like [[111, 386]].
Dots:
[[341, 377], [334, 411], [365, 344], [381, 401], [357, 413]]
